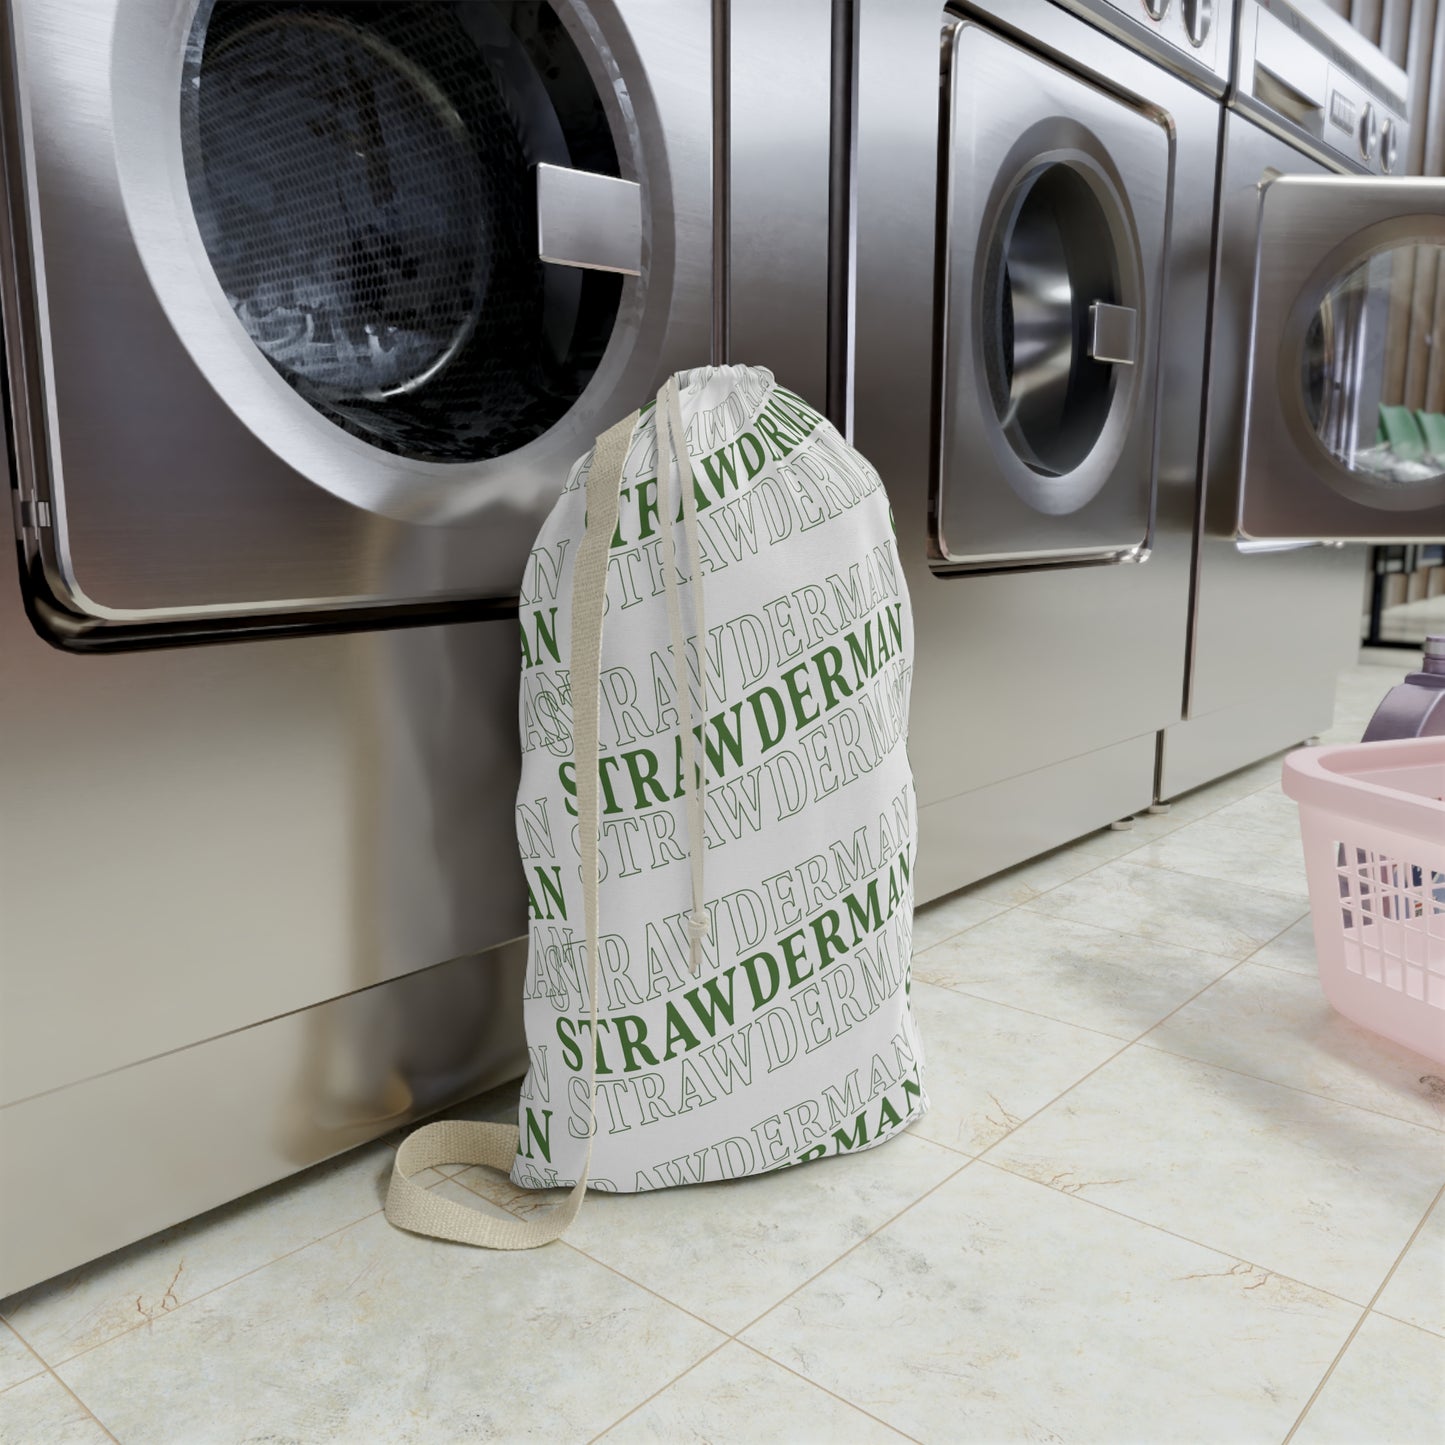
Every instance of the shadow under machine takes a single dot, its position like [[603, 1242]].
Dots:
[[1324, 419], [1028, 262], [308, 307]]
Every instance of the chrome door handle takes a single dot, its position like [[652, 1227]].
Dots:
[[1113, 333], [589, 220]]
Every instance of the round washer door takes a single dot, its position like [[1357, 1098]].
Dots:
[[344, 214], [362, 178], [1054, 208]]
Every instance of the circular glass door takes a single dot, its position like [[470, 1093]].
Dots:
[[362, 176], [1373, 374], [1052, 271]]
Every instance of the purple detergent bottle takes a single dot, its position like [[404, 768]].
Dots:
[[1415, 709]]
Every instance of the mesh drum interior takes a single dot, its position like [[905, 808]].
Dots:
[[362, 178]]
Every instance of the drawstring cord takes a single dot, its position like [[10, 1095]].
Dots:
[[674, 456]]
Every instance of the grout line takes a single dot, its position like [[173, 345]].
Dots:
[[661, 1389], [1234, 963], [712, 1325], [100, 1424], [1279, 967], [1173, 1234], [808, 1380], [225, 1284], [1032, 912], [1364, 1315], [1293, 1088], [1408, 1324], [857, 1244], [612, 1268], [1143, 1040], [1026, 903], [46, 1370], [1120, 1039], [44, 1366]]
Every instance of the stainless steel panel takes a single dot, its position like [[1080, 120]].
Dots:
[[1043, 456], [101, 1163], [1309, 76], [588, 220], [1008, 822], [194, 840], [1192, 39], [1263, 625], [778, 153], [1201, 749], [1016, 672], [1314, 231], [199, 483]]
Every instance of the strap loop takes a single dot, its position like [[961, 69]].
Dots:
[[462, 1141]]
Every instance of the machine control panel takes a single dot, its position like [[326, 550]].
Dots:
[[1189, 36], [1310, 76]]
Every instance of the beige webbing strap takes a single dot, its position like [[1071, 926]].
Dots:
[[462, 1141]]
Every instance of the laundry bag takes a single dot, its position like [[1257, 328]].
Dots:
[[716, 816]]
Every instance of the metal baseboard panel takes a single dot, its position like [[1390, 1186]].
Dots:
[[1196, 752], [968, 837], [189, 1130]]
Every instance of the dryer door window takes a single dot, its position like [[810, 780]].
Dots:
[[362, 177], [1346, 437]]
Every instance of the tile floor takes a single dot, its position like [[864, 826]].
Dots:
[[1163, 1194]]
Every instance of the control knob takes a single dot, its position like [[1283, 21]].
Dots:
[[1156, 9], [1369, 132], [1389, 146]]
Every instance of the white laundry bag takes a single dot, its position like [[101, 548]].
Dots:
[[716, 816]]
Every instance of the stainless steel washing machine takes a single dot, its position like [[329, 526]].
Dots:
[[1029, 275], [308, 307], [1323, 316]]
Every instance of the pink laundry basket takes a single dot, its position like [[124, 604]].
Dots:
[[1373, 820]]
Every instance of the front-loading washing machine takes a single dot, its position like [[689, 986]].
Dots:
[[1029, 273], [308, 307], [1323, 327]]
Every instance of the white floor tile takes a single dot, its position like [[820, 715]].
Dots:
[[1416, 1291], [87, 1306], [1269, 813], [16, 1362], [1293, 950], [1389, 1389], [1077, 973], [738, 1397], [1017, 885], [934, 922], [1216, 847], [729, 1251], [374, 1334], [1280, 1026], [988, 1067], [998, 1311], [1202, 913], [1323, 1192], [43, 1412]]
